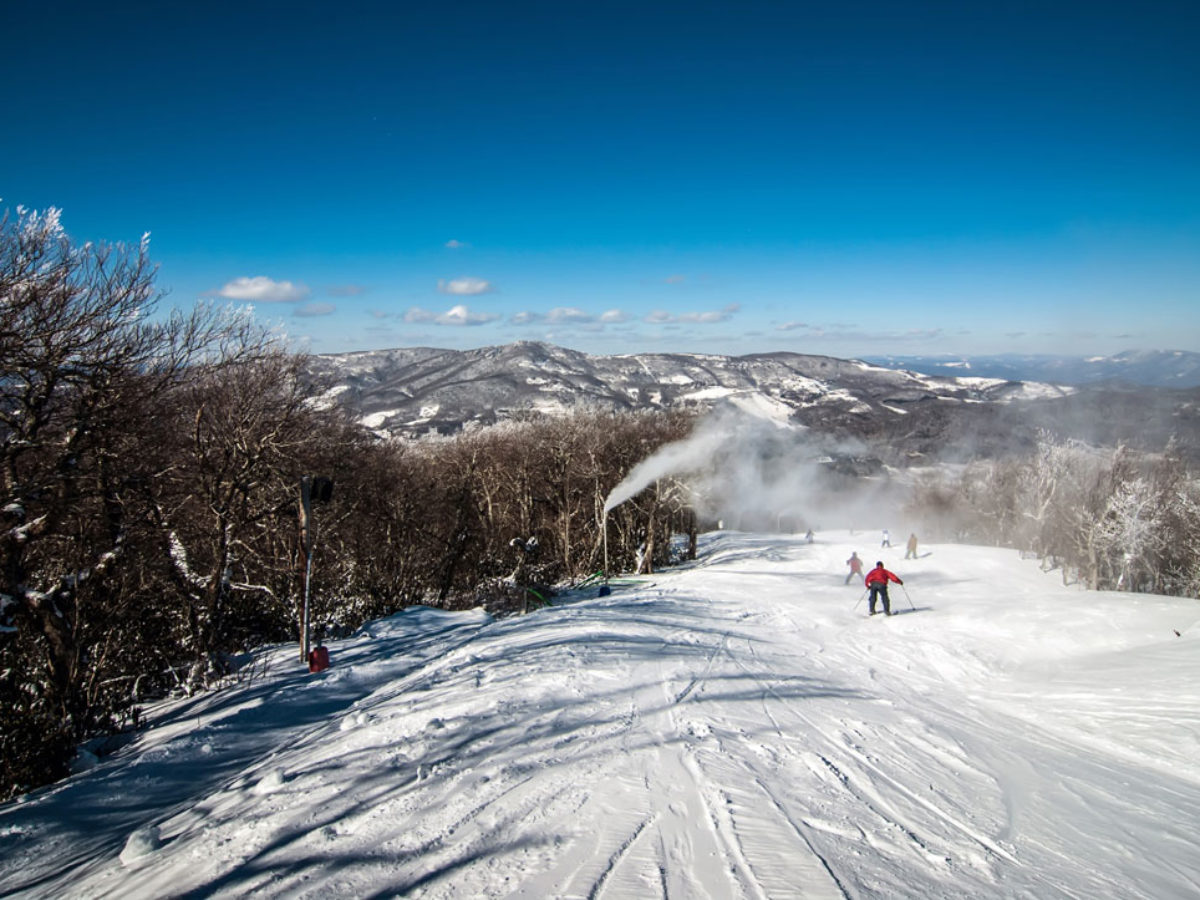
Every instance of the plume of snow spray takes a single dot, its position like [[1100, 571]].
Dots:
[[687, 455], [678, 457], [745, 469]]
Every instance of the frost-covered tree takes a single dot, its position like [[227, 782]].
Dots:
[[1129, 528], [1120, 519]]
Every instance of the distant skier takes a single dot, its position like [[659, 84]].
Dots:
[[877, 581], [911, 551], [887, 539], [855, 564], [810, 537]]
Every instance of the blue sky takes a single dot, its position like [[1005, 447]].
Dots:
[[854, 179]]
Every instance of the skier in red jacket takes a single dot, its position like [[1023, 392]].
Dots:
[[855, 564], [877, 582]]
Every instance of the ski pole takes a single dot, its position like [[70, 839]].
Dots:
[[908, 598], [859, 600]]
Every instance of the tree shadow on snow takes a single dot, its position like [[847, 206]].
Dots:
[[239, 735], [544, 738], [220, 736], [534, 728]]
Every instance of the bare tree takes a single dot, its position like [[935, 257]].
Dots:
[[82, 361], [247, 431]]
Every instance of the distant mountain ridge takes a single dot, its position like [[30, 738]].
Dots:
[[898, 417], [1152, 368], [416, 391]]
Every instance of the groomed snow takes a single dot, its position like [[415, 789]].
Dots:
[[978, 381], [1036, 390], [1022, 390], [716, 392], [760, 406], [734, 727]]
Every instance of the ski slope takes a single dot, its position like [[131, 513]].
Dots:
[[733, 727]]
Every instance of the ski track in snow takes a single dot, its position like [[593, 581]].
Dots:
[[736, 729]]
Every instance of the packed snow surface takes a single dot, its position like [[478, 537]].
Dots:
[[733, 727]]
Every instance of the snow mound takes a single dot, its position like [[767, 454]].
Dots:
[[355, 720], [144, 842], [270, 783]]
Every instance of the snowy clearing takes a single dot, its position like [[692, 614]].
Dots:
[[734, 727]]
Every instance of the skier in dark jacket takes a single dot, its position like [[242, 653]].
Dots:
[[877, 582]]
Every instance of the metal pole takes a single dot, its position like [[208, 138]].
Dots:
[[604, 588], [306, 548], [604, 525], [908, 598], [304, 650]]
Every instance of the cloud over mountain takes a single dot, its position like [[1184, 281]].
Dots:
[[465, 287], [454, 316], [261, 289]]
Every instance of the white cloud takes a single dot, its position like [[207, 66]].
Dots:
[[346, 290], [456, 315], [564, 314], [456, 245], [791, 326], [662, 317], [707, 318], [416, 314], [675, 279], [464, 286], [460, 315], [309, 310], [570, 316], [261, 289]]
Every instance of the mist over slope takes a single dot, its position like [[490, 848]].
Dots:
[[732, 727]]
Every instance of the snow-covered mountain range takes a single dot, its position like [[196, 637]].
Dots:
[[733, 727], [419, 390], [903, 415], [1154, 368]]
